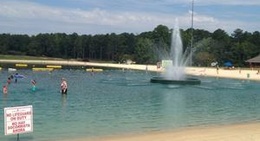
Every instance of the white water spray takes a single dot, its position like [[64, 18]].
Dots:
[[176, 70]]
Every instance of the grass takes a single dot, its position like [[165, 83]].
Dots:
[[24, 57]]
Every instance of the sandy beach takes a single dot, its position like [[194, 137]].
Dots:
[[243, 74], [237, 132], [236, 73]]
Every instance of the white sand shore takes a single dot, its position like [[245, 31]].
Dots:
[[238, 132], [245, 74]]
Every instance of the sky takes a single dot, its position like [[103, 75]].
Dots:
[[132, 16]]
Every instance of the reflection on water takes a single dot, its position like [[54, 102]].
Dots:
[[4, 100], [116, 101], [63, 100]]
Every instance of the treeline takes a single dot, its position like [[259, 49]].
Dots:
[[144, 48]]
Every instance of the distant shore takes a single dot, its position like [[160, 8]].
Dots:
[[243, 74], [237, 73]]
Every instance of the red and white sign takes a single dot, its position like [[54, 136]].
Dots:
[[18, 120]]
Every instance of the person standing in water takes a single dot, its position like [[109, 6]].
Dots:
[[5, 90], [64, 86], [33, 85], [8, 80]]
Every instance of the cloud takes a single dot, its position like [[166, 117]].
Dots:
[[32, 18], [168, 2], [45, 16], [212, 2], [227, 2]]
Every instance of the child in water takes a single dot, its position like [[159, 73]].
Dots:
[[5, 90], [9, 80], [33, 85]]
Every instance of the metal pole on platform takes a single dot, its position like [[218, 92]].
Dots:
[[191, 44], [192, 15]]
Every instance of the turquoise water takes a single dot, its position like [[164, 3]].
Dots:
[[114, 102]]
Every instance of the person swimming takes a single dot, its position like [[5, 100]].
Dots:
[[16, 76], [64, 86]]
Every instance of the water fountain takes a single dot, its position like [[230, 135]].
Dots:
[[174, 72]]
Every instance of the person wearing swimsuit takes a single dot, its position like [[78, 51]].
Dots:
[[64, 86]]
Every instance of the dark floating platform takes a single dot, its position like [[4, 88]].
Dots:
[[187, 81]]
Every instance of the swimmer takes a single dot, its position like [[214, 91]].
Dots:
[[63, 86], [33, 85], [9, 80], [15, 76], [5, 90], [33, 82]]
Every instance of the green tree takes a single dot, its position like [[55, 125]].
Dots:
[[204, 58], [204, 53], [143, 51], [4, 43], [33, 47], [221, 45], [111, 43]]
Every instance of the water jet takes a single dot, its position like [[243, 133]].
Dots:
[[174, 72]]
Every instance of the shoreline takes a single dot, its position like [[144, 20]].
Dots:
[[242, 74], [233, 132], [238, 73]]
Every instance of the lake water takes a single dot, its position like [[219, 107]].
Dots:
[[116, 102]]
